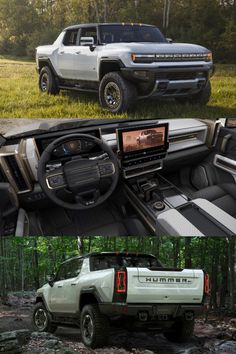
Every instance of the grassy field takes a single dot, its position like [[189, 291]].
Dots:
[[20, 98]]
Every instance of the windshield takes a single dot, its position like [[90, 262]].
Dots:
[[130, 33]]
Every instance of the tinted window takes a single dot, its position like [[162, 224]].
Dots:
[[129, 33], [100, 262], [69, 269], [70, 37], [89, 32]]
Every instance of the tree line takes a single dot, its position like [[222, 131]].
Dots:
[[25, 262], [25, 24]]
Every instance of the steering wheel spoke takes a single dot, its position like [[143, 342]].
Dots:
[[88, 198], [55, 179], [106, 168]]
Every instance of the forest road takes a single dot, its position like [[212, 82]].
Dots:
[[215, 336]]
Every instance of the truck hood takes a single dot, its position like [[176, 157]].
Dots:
[[162, 48]]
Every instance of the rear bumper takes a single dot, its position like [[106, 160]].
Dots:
[[154, 311]]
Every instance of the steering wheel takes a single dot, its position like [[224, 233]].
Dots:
[[80, 177]]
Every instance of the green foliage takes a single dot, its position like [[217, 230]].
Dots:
[[25, 24], [22, 98]]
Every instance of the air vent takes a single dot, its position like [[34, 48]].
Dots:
[[16, 173], [14, 168], [183, 138]]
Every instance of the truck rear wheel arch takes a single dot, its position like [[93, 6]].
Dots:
[[88, 297]]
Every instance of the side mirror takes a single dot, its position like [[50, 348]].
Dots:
[[169, 40], [51, 279], [88, 42], [230, 123]]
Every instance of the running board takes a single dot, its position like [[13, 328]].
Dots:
[[77, 89]]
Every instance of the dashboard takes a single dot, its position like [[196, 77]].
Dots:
[[19, 157]]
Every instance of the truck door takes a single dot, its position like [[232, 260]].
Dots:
[[63, 297], [85, 60], [66, 53]]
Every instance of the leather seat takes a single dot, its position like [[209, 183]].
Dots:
[[222, 195]]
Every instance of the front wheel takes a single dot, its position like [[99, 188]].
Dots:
[[94, 327], [200, 98], [42, 320], [203, 96], [181, 331], [117, 94]]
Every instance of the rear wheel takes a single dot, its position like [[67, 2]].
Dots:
[[47, 81], [94, 327], [117, 94], [181, 331], [42, 319]]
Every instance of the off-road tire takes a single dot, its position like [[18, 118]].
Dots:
[[127, 93], [201, 98], [100, 323], [47, 81], [48, 326], [181, 331]]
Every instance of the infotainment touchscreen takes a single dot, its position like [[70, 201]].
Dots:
[[140, 141]]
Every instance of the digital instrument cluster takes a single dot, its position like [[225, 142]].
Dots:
[[73, 147]]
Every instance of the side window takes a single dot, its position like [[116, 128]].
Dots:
[[89, 32], [70, 37], [69, 270]]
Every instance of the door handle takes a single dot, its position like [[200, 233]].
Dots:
[[60, 53], [73, 284], [224, 144], [77, 53], [59, 286]]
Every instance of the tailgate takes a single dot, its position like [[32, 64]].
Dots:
[[164, 286]]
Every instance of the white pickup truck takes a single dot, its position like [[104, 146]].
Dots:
[[134, 290], [123, 63]]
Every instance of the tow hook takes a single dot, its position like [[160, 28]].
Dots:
[[143, 316], [189, 316]]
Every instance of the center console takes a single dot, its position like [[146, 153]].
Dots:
[[161, 205]]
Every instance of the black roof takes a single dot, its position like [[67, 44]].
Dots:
[[84, 25], [136, 254]]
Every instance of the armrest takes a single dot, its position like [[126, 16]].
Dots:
[[216, 214], [175, 224]]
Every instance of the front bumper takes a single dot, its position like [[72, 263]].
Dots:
[[169, 81]]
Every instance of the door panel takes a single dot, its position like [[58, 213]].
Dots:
[[225, 154], [66, 56], [85, 64]]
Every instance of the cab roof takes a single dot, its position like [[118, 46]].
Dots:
[[84, 25]]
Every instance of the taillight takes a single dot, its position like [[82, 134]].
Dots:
[[121, 282], [206, 284]]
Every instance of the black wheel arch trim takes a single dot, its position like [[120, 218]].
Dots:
[[48, 63], [41, 298], [93, 291]]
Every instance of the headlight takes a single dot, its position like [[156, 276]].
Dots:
[[209, 56], [143, 58]]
